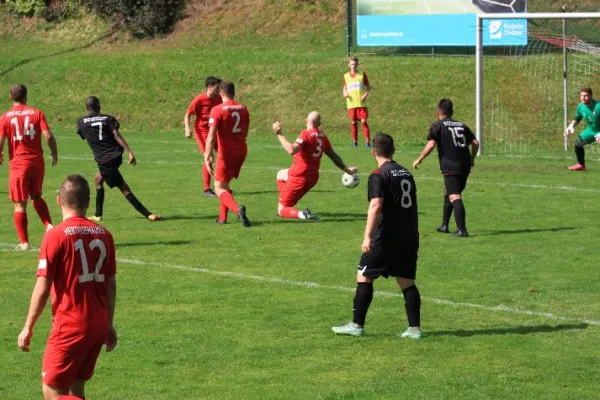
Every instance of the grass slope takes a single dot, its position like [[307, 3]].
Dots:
[[223, 312]]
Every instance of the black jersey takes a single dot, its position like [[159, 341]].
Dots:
[[398, 224], [97, 129], [453, 139]]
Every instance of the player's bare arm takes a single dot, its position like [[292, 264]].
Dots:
[[366, 94], [210, 148], [51, 142], [123, 143], [345, 92], [111, 298], [474, 151], [426, 151], [186, 123], [291, 148], [338, 162], [375, 207], [40, 295], [2, 139]]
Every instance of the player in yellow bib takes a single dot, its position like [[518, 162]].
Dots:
[[356, 90]]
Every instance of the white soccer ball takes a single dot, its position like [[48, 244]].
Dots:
[[350, 181]]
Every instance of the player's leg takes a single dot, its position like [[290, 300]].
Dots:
[[201, 141], [99, 183], [19, 193], [53, 393], [364, 115], [370, 267], [586, 137], [353, 125], [446, 214], [455, 184], [36, 181], [78, 388], [229, 167], [282, 177], [139, 207], [405, 274], [294, 190]]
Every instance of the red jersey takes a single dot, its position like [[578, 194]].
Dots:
[[78, 256], [307, 161], [232, 121], [23, 126], [200, 107]]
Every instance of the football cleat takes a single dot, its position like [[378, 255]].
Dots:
[[368, 144], [350, 329], [461, 234], [209, 193], [577, 167], [154, 217], [354, 144], [242, 216], [443, 229], [309, 215], [412, 334], [23, 247], [94, 218], [219, 222]]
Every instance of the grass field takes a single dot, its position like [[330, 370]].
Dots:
[[224, 312]]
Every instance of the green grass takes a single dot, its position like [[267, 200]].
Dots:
[[207, 311]]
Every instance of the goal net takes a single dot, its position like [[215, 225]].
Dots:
[[530, 92]]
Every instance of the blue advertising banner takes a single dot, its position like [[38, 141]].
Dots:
[[437, 23]]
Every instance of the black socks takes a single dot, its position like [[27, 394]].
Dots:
[[362, 301], [412, 304], [99, 202], [137, 205], [460, 215]]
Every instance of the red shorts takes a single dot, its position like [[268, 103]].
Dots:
[[26, 180], [229, 164], [64, 363], [296, 188], [200, 135], [358, 113]]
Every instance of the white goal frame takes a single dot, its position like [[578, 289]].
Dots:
[[479, 58]]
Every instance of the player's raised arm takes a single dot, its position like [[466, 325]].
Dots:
[[39, 297], [337, 160], [291, 148]]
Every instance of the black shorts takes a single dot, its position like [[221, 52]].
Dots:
[[110, 172], [389, 261], [455, 184]]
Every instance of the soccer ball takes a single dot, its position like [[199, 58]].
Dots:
[[350, 181]]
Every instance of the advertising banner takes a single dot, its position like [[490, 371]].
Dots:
[[437, 22]]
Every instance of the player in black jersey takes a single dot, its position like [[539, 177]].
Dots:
[[452, 139], [391, 241], [101, 131]]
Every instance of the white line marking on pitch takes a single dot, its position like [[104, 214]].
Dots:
[[314, 285], [417, 178]]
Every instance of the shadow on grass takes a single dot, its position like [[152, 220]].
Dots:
[[527, 230], [158, 242], [167, 218], [518, 330], [71, 50]]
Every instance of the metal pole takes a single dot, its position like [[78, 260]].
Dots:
[[565, 81], [349, 22], [479, 82]]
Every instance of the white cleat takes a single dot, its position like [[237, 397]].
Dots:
[[412, 333], [23, 247]]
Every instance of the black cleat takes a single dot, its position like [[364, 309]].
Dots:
[[242, 216], [209, 193], [219, 222], [309, 215], [461, 234], [443, 229]]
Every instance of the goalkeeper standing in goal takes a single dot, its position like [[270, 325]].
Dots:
[[588, 110]]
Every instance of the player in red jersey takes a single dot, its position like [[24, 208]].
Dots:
[[77, 266], [228, 129], [307, 150], [24, 126], [200, 108]]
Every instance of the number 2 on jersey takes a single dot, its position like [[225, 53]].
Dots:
[[238, 118], [88, 276], [28, 129]]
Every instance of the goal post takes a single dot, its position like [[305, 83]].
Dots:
[[545, 60]]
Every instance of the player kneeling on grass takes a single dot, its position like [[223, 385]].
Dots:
[[391, 242], [303, 175], [588, 110], [77, 263], [101, 131]]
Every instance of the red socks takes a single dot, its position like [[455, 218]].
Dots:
[[20, 219], [228, 201], [206, 177], [354, 132], [42, 210], [366, 132], [289, 212]]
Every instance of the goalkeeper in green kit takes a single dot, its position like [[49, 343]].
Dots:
[[588, 110]]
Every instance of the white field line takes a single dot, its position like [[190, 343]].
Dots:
[[314, 285], [333, 171]]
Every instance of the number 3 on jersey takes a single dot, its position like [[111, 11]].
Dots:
[[88, 276]]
